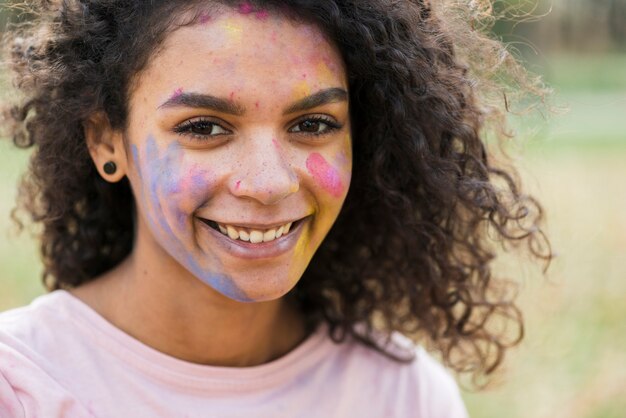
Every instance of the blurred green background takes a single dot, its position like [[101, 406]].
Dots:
[[572, 362]]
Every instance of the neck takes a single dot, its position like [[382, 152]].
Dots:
[[168, 309]]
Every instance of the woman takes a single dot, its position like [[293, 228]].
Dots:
[[190, 160]]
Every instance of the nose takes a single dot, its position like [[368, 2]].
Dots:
[[265, 173]]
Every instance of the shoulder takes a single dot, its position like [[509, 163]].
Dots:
[[34, 324], [419, 386], [29, 345], [43, 331], [438, 386]]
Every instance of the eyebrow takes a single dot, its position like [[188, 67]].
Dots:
[[331, 95], [204, 101], [207, 101]]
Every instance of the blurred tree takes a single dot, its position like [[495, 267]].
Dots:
[[617, 22], [574, 25]]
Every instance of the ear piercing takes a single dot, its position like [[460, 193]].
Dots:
[[110, 167]]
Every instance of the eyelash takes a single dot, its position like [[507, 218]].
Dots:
[[331, 124], [186, 128]]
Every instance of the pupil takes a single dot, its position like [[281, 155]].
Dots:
[[202, 128], [310, 126]]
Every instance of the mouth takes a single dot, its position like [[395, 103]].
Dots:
[[256, 243], [254, 235]]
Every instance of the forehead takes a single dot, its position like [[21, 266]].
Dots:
[[259, 49]]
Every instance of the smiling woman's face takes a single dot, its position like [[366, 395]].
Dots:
[[241, 151]]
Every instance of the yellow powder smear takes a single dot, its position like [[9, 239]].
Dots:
[[344, 157], [233, 29], [300, 250], [325, 74], [301, 90]]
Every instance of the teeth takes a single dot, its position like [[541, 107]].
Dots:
[[244, 236], [232, 232], [254, 236], [269, 235]]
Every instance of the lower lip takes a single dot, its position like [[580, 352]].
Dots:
[[250, 251]]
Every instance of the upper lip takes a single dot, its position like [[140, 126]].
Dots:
[[254, 225]]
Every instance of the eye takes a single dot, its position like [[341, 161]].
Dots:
[[201, 128], [317, 125]]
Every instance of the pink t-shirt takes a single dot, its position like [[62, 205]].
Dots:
[[59, 358]]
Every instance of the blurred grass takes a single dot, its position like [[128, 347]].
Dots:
[[572, 363], [19, 267], [586, 73]]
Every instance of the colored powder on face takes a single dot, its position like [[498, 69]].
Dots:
[[160, 168], [204, 18], [195, 181], [233, 29], [301, 90], [245, 8], [220, 282], [262, 14], [177, 93], [324, 73], [324, 174], [135, 152]]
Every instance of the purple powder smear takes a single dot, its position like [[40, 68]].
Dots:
[[204, 18]]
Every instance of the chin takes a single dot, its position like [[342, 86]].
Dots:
[[264, 288]]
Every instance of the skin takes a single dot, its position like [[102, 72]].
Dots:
[[264, 157]]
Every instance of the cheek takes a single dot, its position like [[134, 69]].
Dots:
[[325, 175], [171, 188], [191, 188]]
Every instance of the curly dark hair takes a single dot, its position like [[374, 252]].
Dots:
[[413, 248]]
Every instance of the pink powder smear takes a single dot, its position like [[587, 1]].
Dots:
[[177, 92], [262, 14], [246, 8], [324, 174]]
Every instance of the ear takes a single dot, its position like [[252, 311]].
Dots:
[[106, 146]]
